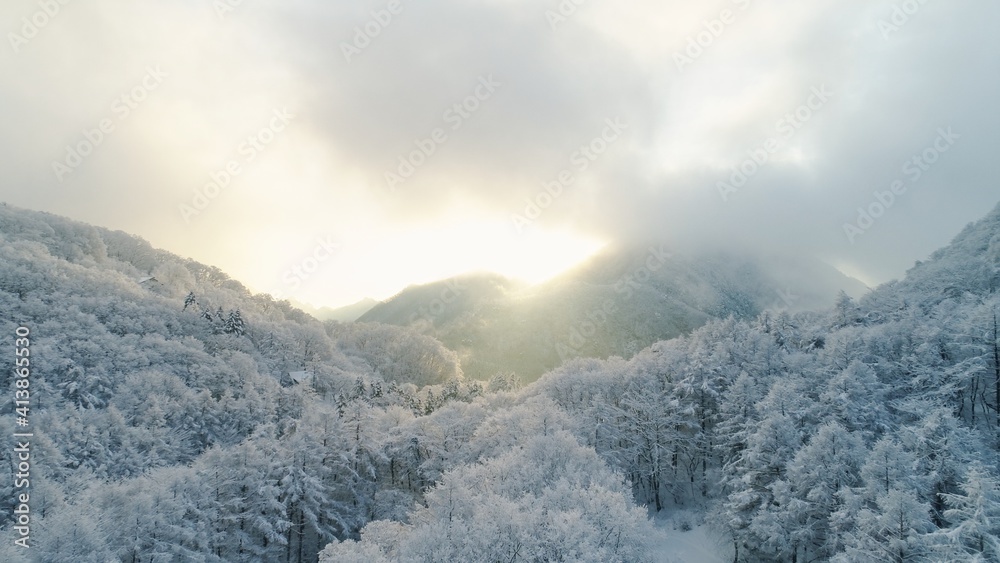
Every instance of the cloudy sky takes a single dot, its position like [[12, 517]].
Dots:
[[329, 151]]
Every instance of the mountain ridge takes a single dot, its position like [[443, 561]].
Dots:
[[618, 302]]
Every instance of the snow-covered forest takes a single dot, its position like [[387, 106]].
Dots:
[[178, 417]]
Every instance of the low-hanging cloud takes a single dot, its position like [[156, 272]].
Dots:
[[381, 84]]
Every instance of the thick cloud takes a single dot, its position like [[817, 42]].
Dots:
[[693, 112]]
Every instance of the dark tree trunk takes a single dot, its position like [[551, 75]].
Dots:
[[996, 367]]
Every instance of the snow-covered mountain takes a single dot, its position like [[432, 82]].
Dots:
[[862, 432], [615, 304], [204, 423]]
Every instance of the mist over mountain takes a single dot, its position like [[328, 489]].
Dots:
[[347, 313], [211, 424], [615, 304]]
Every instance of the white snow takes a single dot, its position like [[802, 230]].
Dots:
[[699, 544]]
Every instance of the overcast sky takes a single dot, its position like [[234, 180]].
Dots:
[[310, 104]]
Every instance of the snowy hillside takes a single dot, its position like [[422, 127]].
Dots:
[[177, 417]]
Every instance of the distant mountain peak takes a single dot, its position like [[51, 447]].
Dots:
[[618, 302]]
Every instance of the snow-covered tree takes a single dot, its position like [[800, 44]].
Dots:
[[234, 324], [974, 517], [553, 500], [897, 530]]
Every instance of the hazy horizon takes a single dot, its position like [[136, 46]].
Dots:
[[396, 144]]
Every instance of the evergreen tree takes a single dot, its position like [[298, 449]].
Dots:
[[234, 324]]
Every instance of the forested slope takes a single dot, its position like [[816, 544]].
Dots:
[[165, 431], [149, 372], [868, 432]]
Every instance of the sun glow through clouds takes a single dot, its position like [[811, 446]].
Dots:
[[425, 253]]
